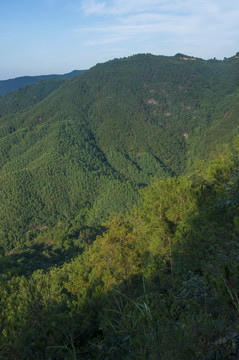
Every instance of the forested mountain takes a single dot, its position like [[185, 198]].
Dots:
[[67, 146], [119, 212], [14, 84]]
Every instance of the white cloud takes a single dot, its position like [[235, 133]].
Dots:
[[93, 7], [116, 7], [122, 7], [177, 22]]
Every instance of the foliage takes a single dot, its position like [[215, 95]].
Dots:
[[158, 282], [90, 142], [105, 252]]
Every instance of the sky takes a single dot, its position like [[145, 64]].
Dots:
[[57, 36]]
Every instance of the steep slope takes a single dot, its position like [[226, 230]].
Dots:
[[148, 103], [160, 283], [29, 95], [52, 174], [90, 142]]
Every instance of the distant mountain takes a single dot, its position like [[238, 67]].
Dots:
[[14, 84], [82, 148]]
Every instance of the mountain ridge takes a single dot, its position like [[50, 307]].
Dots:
[[14, 84]]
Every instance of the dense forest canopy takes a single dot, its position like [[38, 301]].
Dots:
[[119, 212], [74, 145]]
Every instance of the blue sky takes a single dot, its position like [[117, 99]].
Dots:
[[58, 36]]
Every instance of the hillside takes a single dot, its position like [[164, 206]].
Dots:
[[161, 281], [71, 145], [119, 209]]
